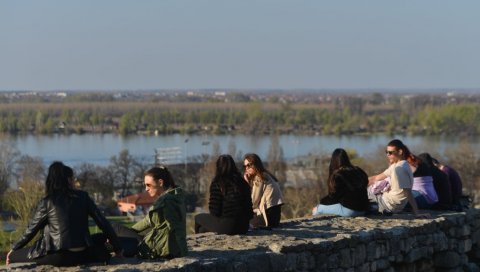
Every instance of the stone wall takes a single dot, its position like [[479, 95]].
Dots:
[[446, 242]]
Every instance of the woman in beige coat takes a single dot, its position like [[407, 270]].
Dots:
[[267, 197]]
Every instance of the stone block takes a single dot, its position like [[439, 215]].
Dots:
[[459, 231], [476, 237], [446, 259], [381, 264], [471, 267], [333, 260], [359, 254], [440, 241], [345, 258], [464, 245], [277, 261], [291, 262], [365, 267], [305, 261], [417, 254]]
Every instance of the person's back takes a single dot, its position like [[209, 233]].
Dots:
[[230, 203], [455, 183], [234, 202], [68, 221], [351, 185], [442, 186], [423, 189], [62, 218]]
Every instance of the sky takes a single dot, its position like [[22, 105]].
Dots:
[[267, 44]]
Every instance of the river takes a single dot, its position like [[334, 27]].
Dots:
[[75, 149]]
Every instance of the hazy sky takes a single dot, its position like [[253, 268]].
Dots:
[[164, 44]]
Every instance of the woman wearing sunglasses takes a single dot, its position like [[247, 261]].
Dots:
[[400, 174], [267, 197]]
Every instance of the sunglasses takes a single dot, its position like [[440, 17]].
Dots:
[[389, 153], [248, 165]]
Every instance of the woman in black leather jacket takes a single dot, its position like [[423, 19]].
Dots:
[[61, 218]]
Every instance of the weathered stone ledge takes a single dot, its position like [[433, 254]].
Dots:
[[447, 242]]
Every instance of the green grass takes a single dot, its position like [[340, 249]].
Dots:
[[122, 220]]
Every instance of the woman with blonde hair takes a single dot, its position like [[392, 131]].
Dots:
[[267, 197]]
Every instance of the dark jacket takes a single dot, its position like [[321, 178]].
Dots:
[[443, 188], [234, 200], [350, 189], [64, 221], [166, 227]]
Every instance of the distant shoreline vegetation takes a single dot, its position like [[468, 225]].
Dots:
[[237, 113]]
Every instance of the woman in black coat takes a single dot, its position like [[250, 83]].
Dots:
[[61, 218], [347, 188], [230, 201]]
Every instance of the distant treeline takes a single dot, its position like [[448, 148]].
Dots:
[[346, 115]]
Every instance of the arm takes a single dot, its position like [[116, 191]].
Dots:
[[373, 179], [413, 204], [38, 222], [103, 224]]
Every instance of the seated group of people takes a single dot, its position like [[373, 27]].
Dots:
[[237, 203], [410, 183]]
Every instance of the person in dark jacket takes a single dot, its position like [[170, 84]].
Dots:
[[230, 202], [347, 188], [61, 218], [441, 183]]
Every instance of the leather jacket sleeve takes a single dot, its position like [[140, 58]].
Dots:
[[103, 224], [38, 222]]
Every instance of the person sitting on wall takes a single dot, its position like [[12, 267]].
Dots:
[[230, 202], [455, 182], [441, 183], [267, 197], [347, 188], [423, 189], [164, 224], [399, 193], [62, 218]]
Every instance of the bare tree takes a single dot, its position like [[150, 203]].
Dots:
[[30, 169], [30, 181], [275, 159], [125, 170], [8, 160]]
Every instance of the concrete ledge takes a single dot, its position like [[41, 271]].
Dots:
[[448, 242]]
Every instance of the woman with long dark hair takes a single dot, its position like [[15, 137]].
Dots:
[[347, 188], [267, 197], [62, 219], [165, 223], [230, 203]]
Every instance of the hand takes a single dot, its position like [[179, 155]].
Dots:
[[8, 257]]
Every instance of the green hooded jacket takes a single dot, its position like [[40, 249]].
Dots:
[[165, 224]]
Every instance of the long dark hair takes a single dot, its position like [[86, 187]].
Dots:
[[338, 160], [161, 172], [57, 182], [226, 172], [257, 164], [409, 157]]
